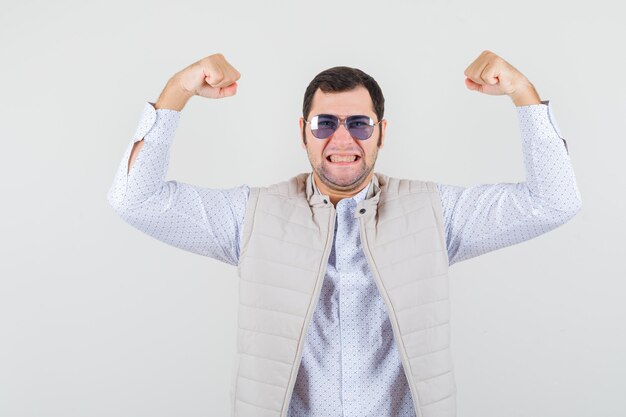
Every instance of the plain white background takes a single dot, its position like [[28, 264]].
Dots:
[[98, 319]]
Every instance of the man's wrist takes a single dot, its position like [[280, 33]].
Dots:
[[525, 96], [173, 96]]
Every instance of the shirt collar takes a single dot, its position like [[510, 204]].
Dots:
[[360, 196]]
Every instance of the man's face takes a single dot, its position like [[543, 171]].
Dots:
[[343, 177]]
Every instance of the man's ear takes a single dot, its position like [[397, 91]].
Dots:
[[302, 138], [383, 133]]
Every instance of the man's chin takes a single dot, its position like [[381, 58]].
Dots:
[[343, 182]]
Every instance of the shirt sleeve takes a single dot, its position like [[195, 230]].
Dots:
[[486, 217], [196, 219]]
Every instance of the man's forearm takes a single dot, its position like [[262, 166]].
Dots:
[[156, 130], [549, 173], [134, 153], [173, 97]]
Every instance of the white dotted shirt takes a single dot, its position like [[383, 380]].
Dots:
[[350, 365]]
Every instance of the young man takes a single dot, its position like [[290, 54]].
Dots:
[[344, 305]]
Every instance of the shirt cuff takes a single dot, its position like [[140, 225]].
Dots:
[[533, 116], [157, 126]]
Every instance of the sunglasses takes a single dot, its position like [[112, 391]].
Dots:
[[324, 125]]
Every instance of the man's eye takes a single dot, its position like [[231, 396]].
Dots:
[[323, 123], [359, 123]]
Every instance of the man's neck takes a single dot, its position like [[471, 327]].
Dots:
[[337, 195]]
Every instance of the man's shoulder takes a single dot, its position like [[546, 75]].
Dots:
[[292, 187], [398, 185]]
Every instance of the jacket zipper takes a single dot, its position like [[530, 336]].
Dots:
[[307, 320], [392, 317]]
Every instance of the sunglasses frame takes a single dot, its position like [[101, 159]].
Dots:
[[343, 121]]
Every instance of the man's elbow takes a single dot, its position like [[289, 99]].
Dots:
[[573, 206], [562, 215], [576, 208], [116, 200]]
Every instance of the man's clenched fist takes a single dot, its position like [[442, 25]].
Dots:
[[211, 77], [492, 75]]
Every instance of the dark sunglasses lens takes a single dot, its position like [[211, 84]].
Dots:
[[324, 125], [360, 127]]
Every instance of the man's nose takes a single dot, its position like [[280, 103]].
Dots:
[[342, 134]]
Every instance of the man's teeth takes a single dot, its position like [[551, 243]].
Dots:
[[347, 158]]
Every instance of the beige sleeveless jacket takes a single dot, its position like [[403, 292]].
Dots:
[[287, 238]]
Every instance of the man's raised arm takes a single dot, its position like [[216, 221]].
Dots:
[[211, 77], [200, 220], [486, 217]]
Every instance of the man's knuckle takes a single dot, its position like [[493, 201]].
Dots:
[[216, 75]]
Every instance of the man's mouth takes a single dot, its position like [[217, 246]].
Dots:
[[342, 159]]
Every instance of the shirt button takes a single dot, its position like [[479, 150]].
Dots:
[[325, 201], [362, 211]]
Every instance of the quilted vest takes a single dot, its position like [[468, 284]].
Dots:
[[287, 238]]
